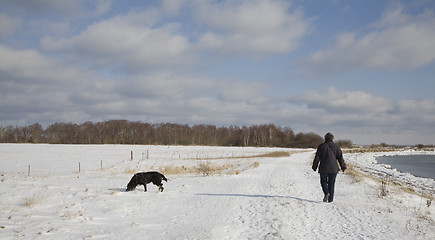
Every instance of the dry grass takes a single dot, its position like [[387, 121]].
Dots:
[[175, 170], [209, 166], [386, 184], [384, 181], [356, 176], [255, 164], [130, 170], [30, 201], [276, 154], [383, 149], [367, 150], [206, 168]]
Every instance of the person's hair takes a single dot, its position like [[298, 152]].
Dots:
[[329, 136]]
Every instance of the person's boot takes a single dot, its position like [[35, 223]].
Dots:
[[325, 199], [330, 199]]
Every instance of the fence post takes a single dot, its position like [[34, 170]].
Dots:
[[28, 171], [101, 164], [131, 155], [79, 167]]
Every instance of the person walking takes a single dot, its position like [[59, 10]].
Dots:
[[327, 154]]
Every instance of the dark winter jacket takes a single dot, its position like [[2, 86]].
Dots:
[[327, 155]]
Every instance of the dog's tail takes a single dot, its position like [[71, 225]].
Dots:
[[163, 177]]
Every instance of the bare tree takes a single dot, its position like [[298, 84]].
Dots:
[[126, 132]]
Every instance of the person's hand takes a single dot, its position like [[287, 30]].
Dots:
[[314, 168], [343, 169]]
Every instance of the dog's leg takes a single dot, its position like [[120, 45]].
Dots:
[[145, 187], [161, 188]]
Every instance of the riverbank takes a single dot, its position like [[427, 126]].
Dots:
[[418, 165], [368, 164]]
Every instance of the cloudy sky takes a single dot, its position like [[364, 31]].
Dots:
[[364, 70]]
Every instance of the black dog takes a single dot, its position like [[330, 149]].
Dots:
[[144, 178]]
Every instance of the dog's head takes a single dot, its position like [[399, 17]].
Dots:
[[130, 188], [132, 184]]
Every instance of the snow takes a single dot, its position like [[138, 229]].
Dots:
[[279, 199]]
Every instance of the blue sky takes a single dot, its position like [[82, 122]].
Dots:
[[363, 70]]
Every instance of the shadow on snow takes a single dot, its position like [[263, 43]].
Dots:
[[253, 196]]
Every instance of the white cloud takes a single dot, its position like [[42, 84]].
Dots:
[[102, 7], [172, 7], [36, 88], [166, 85], [250, 28], [8, 25], [139, 40], [417, 106], [127, 40], [336, 101], [30, 65], [364, 116], [211, 40], [189, 90], [398, 42], [419, 113]]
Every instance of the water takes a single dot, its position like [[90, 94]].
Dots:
[[417, 165]]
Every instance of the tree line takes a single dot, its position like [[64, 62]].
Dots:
[[127, 132]]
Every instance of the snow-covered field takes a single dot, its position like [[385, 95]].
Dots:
[[278, 199]]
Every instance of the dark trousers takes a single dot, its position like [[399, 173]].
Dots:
[[327, 180]]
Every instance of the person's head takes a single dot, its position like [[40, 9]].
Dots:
[[329, 137]]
